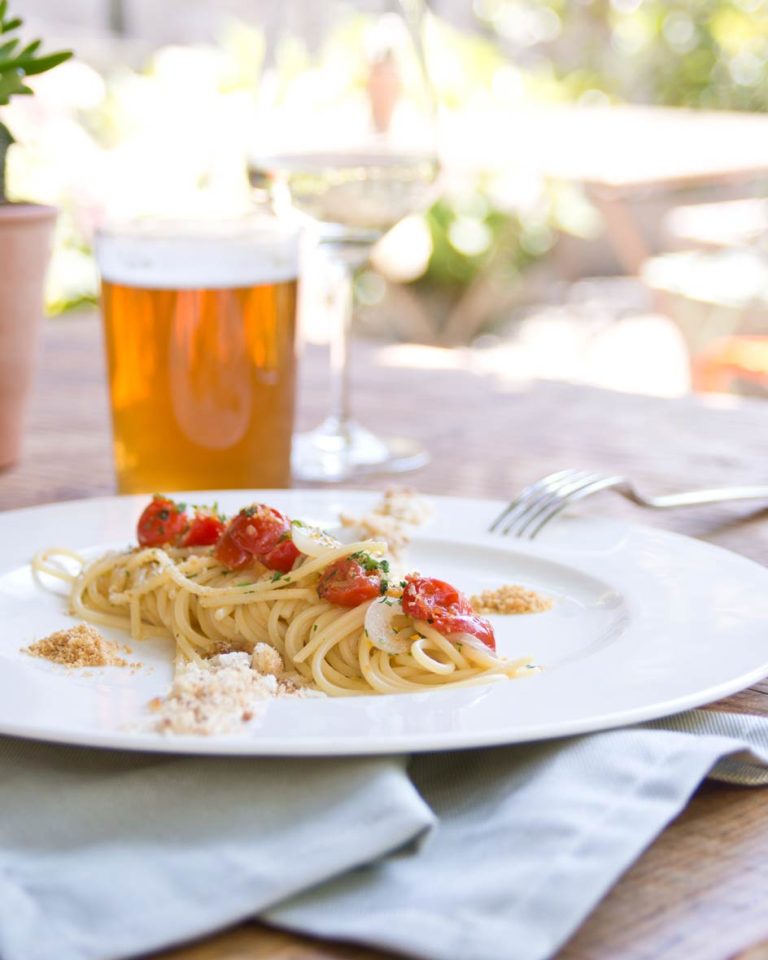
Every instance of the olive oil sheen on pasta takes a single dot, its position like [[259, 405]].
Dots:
[[200, 342]]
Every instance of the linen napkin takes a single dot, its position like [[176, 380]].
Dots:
[[494, 854], [106, 855], [528, 838]]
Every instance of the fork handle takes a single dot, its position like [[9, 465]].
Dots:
[[695, 498]]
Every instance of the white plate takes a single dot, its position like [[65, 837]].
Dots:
[[645, 624]]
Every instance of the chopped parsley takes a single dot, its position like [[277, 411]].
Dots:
[[276, 576], [368, 563], [206, 511]]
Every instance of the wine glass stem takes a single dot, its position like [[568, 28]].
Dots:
[[348, 257], [344, 302], [340, 447]]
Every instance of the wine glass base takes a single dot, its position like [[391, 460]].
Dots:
[[330, 453]]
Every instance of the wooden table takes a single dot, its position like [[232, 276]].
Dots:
[[699, 892]]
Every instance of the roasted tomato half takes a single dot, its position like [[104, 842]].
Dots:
[[445, 608], [347, 583], [257, 532], [204, 530], [162, 522]]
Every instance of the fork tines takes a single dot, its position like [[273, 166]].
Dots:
[[540, 501]]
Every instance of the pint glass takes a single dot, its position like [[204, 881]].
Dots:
[[200, 324]]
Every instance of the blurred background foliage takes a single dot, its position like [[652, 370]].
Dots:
[[171, 136], [692, 53], [699, 54]]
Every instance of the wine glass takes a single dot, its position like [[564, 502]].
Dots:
[[345, 138]]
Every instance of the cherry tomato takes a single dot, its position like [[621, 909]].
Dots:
[[204, 530], [230, 554], [425, 598], [348, 584], [281, 557], [259, 532], [445, 608], [470, 623], [258, 528], [161, 522]]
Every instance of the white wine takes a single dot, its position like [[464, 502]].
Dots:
[[363, 191]]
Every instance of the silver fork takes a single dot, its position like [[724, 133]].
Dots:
[[542, 501]]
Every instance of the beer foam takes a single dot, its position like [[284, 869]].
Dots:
[[186, 256]]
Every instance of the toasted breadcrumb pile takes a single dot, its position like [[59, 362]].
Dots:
[[393, 519], [80, 646], [266, 660], [376, 527], [405, 505], [219, 695], [510, 598]]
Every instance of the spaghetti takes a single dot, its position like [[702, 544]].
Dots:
[[334, 617]]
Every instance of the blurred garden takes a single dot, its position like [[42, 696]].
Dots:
[[158, 116]]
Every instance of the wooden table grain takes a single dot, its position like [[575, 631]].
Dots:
[[699, 892]]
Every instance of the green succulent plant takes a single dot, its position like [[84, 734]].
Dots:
[[18, 62]]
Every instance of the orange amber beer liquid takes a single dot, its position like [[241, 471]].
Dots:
[[200, 342]]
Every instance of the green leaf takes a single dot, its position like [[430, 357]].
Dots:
[[27, 55], [3, 10], [31, 48], [7, 48], [25, 59], [10, 82], [11, 25], [43, 64]]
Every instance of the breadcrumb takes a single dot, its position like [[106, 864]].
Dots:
[[211, 697], [510, 598], [373, 526], [405, 505], [266, 660], [80, 646], [219, 695], [393, 519]]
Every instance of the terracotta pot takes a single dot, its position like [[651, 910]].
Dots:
[[25, 244]]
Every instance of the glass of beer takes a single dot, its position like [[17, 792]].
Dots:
[[200, 332]]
